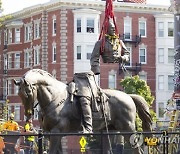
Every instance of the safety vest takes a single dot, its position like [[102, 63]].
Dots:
[[28, 128], [11, 125]]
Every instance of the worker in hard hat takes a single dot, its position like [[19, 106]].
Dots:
[[2, 145], [29, 140], [11, 124]]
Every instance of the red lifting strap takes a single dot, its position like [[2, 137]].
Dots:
[[109, 14]]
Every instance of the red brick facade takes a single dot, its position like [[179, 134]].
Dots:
[[64, 40]]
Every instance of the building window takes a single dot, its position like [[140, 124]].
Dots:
[[90, 26], [27, 58], [17, 35], [142, 28], [5, 62], [9, 61], [5, 87], [17, 112], [161, 110], [0, 36], [17, 60], [54, 53], [127, 29], [28, 33], [5, 37], [9, 36], [36, 56], [161, 82], [160, 55], [9, 82], [78, 25], [36, 30], [36, 111], [89, 51], [78, 52], [112, 81], [170, 29], [54, 26], [170, 55], [130, 57], [9, 109], [142, 55], [143, 77], [160, 29], [16, 88], [170, 82]]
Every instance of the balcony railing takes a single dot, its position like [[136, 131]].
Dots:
[[135, 39], [135, 67], [5, 46]]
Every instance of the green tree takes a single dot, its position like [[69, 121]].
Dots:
[[3, 17], [134, 85]]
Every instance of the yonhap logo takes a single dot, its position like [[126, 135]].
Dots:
[[136, 140]]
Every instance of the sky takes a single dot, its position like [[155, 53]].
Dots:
[[10, 6]]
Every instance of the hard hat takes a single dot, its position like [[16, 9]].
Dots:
[[12, 115]]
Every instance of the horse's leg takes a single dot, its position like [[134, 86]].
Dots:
[[59, 149], [134, 140], [128, 126], [55, 143], [54, 147]]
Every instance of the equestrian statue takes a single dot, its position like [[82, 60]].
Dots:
[[61, 109]]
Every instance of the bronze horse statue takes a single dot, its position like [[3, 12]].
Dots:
[[60, 115]]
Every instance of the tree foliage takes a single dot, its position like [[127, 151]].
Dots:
[[134, 85], [3, 17]]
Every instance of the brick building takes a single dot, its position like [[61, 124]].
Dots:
[[55, 37]]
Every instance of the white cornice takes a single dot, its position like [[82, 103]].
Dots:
[[90, 11], [91, 4], [170, 15]]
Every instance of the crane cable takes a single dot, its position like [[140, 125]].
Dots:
[[109, 15]]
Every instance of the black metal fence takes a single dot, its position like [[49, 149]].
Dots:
[[107, 143]]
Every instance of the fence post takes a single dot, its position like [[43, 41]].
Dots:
[[40, 151], [164, 140], [167, 142]]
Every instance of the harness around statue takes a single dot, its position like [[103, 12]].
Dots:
[[84, 85]]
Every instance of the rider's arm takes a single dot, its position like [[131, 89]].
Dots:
[[95, 58]]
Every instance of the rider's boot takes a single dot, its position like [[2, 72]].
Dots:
[[87, 115]]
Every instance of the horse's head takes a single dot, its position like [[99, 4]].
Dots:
[[28, 94]]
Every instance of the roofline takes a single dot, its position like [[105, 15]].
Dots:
[[96, 5]]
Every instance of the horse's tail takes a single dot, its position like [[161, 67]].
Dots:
[[143, 112]]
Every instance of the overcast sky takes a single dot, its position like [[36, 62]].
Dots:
[[11, 6]]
